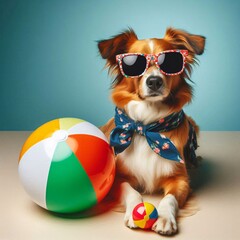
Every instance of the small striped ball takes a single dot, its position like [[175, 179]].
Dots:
[[144, 215], [67, 165]]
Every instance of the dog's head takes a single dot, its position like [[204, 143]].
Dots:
[[154, 70]]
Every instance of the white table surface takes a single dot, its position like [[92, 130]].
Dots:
[[216, 186]]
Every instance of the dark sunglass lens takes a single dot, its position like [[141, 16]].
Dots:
[[171, 62], [134, 65]]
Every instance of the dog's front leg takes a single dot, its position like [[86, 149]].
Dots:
[[176, 191], [130, 198]]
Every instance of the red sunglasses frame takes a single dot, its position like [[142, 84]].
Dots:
[[149, 58]]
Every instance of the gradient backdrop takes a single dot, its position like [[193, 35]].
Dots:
[[50, 67]]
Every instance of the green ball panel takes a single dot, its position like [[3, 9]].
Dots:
[[68, 187]]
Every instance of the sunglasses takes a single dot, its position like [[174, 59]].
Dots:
[[170, 62]]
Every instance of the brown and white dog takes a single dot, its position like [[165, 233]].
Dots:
[[140, 168]]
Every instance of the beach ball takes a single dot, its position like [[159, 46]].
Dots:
[[144, 215], [67, 165]]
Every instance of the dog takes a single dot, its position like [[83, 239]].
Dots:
[[153, 139]]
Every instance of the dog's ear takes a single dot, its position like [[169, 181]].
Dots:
[[184, 40], [116, 45]]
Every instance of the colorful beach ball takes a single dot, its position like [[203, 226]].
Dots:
[[144, 215], [67, 165]]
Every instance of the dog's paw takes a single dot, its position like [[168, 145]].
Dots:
[[128, 221], [165, 225]]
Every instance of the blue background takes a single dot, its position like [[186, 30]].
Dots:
[[50, 67]]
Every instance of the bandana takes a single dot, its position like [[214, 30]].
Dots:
[[121, 136]]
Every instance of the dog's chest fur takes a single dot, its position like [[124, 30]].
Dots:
[[140, 160]]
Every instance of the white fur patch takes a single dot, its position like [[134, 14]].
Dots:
[[151, 45], [167, 211], [130, 198], [146, 111], [168, 206], [147, 166]]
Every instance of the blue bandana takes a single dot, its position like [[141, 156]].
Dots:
[[121, 136]]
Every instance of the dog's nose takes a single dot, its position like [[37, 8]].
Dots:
[[154, 82]]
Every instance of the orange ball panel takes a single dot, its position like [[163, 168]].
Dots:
[[97, 159]]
